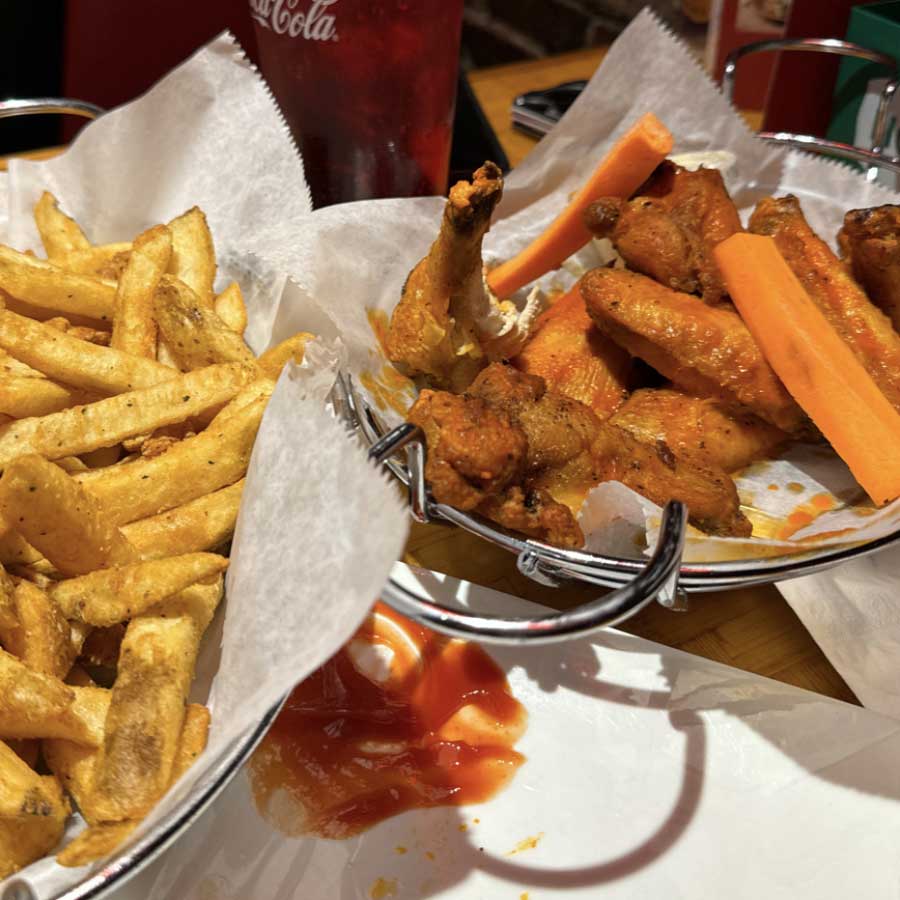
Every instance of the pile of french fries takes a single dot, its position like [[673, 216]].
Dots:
[[129, 404]]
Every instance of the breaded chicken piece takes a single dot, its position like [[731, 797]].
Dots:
[[477, 456], [669, 228], [570, 451], [658, 474], [474, 451], [704, 350], [870, 245], [698, 428], [433, 331], [575, 359], [864, 328]]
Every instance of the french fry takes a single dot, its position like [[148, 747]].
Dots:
[[198, 602], [60, 323], [22, 396], [95, 842], [73, 763], [10, 367], [41, 636], [231, 309], [23, 792], [275, 358], [192, 742], [112, 420], [214, 458], [14, 549], [71, 464], [102, 260], [59, 518], [79, 677], [193, 331], [91, 335], [60, 234], [76, 362], [193, 258], [202, 524], [165, 356], [48, 287], [134, 328], [145, 718], [34, 705], [115, 595], [8, 617], [35, 828]]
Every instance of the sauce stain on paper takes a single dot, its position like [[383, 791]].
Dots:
[[400, 718]]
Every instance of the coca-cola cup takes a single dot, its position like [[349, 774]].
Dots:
[[368, 89]]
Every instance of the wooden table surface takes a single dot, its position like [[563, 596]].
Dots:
[[752, 629]]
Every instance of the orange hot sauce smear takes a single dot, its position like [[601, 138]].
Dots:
[[350, 748]]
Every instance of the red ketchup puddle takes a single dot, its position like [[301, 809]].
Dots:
[[400, 718]]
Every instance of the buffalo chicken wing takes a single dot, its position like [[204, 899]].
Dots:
[[864, 328]]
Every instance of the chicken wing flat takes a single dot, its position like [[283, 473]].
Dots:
[[575, 359], [698, 428], [870, 244], [865, 328], [433, 330], [669, 229], [704, 350], [658, 474]]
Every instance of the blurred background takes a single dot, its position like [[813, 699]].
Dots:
[[109, 52]]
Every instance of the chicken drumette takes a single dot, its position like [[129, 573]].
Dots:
[[669, 229], [865, 329]]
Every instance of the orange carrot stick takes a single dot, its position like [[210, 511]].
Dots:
[[620, 173], [816, 366]]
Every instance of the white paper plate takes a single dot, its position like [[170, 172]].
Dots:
[[649, 773]]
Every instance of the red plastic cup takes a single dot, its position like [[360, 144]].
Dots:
[[368, 89]]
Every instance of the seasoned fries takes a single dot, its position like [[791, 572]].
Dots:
[[129, 406], [193, 331], [75, 361], [60, 234], [49, 287], [134, 328]]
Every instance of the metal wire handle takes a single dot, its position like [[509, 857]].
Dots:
[[53, 105], [657, 578], [875, 157]]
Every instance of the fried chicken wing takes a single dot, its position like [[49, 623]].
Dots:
[[704, 350], [474, 451], [575, 359], [477, 455], [669, 229], [433, 329], [698, 428], [658, 474], [870, 244], [864, 328], [569, 451]]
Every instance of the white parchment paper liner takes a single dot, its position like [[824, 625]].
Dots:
[[319, 528]]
